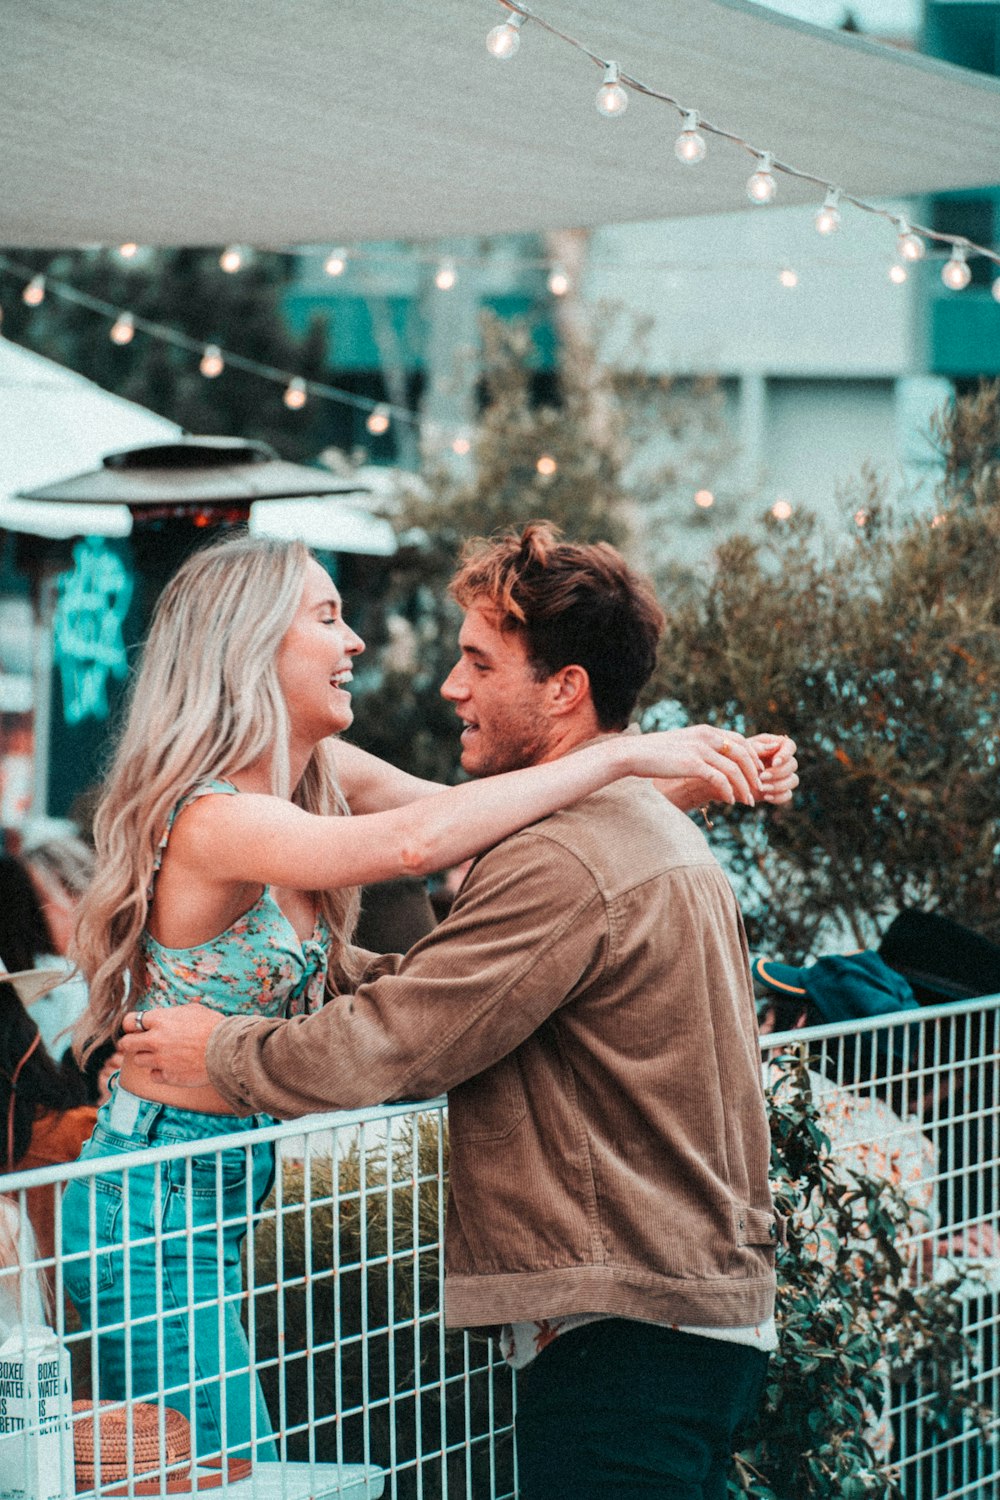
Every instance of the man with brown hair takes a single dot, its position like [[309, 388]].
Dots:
[[587, 1006]]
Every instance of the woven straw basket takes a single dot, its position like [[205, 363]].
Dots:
[[113, 1425]]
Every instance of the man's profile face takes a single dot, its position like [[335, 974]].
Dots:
[[497, 697]]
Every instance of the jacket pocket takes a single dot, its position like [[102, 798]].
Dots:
[[488, 1107], [760, 1228]]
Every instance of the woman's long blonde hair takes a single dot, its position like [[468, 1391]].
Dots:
[[206, 703]]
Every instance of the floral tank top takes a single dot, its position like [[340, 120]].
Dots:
[[258, 966]]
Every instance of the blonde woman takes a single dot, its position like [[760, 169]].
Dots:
[[226, 874]]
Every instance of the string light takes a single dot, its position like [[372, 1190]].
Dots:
[[446, 276], [788, 277], [558, 282], [761, 186], [295, 396], [995, 289], [378, 421], [504, 40], [461, 445], [690, 146], [123, 329], [211, 363], [336, 263], [231, 259], [897, 274], [546, 465], [34, 292], [827, 219], [129, 250], [956, 273], [781, 510], [704, 499], [861, 518], [612, 100], [909, 245]]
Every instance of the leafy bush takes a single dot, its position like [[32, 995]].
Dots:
[[851, 1318], [883, 663]]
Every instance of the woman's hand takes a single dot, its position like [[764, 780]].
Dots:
[[771, 755], [780, 776], [700, 764]]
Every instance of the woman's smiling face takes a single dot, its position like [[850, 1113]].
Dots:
[[315, 659]]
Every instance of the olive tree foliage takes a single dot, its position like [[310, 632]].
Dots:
[[882, 660], [586, 429]]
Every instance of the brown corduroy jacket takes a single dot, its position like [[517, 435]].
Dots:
[[587, 1006]]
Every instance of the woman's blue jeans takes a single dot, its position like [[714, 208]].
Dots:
[[151, 1259]]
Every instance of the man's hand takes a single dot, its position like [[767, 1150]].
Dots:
[[170, 1041]]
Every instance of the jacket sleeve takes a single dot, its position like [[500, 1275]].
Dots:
[[527, 929]]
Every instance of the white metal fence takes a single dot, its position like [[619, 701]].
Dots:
[[340, 1294]]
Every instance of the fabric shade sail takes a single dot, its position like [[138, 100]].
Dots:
[[291, 122]]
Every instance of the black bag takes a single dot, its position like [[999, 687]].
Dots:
[[941, 959]]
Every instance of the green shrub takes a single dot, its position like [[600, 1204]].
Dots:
[[851, 1317]]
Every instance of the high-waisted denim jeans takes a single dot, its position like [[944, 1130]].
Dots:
[[152, 1262]]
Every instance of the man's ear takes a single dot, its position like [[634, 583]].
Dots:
[[568, 690]]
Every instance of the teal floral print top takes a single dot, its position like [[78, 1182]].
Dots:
[[259, 966]]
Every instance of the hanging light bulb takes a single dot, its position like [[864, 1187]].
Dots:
[[995, 289], [704, 499], [504, 40], [897, 274], [909, 245], [761, 186], [211, 363], [788, 277], [781, 510], [461, 445], [377, 421], [558, 282], [827, 218], [231, 258], [336, 263], [956, 273], [446, 276], [129, 250], [546, 465], [295, 396], [123, 329], [690, 146], [34, 292], [612, 100]]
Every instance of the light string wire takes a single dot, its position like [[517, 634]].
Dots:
[[627, 80], [168, 335]]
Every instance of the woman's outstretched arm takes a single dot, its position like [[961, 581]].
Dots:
[[262, 838]]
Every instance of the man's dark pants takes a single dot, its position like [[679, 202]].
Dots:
[[617, 1409]]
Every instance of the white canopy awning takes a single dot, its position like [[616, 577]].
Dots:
[[296, 121]]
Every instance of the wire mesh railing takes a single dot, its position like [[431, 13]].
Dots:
[[292, 1343]]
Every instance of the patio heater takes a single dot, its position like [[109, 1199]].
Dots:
[[170, 497]]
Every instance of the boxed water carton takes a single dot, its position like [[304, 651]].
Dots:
[[36, 1435]]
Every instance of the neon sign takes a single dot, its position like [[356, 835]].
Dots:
[[93, 600]]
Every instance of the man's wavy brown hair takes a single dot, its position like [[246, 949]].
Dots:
[[573, 604]]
